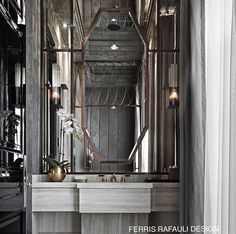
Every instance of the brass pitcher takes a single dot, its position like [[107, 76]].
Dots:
[[57, 174]]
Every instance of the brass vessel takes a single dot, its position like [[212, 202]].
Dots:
[[57, 174]]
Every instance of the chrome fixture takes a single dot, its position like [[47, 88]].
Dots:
[[114, 25], [167, 11], [113, 178]]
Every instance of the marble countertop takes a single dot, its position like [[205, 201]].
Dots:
[[90, 185], [113, 185]]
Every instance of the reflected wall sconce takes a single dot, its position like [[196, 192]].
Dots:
[[57, 90], [173, 91], [173, 98], [17, 92], [57, 95]]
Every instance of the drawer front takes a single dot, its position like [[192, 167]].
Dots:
[[55, 199], [115, 200], [165, 199]]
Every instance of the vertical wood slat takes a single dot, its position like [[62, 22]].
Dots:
[[87, 13], [95, 125], [118, 223], [96, 4], [113, 133], [104, 131]]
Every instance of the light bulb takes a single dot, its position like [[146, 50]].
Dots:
[[114, 47], [64, 25], [55, 94], [174, 94]]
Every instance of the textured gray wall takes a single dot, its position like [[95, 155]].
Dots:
[[192, 112], [33, 89], [197, 83], [184, 86], [112, 130]]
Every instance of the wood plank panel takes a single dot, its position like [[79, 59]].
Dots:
[[165, 198], [113, 125], [87, 13], [104, 131], [112, 223], [55, 199], [164, 219], [94, 124], [114, 200], [57, 222], [95, 7]]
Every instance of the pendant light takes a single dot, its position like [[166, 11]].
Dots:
[[114, 25], [114, 46]]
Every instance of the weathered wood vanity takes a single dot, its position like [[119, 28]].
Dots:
[[96, 207]]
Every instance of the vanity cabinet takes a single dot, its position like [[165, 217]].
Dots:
[[55, 197], [70, 207], [165, 197]]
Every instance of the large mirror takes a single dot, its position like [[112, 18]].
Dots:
[[110, 85], [114, 97]]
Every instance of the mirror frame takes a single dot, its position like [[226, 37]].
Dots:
[[82, 83]]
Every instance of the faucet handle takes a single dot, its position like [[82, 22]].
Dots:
[[123, 179], [104, 178]]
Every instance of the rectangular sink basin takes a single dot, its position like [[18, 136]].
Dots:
[[114, 197]]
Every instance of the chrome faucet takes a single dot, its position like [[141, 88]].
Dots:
[[113, 178]]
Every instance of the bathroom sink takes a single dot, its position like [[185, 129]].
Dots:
[[114, 197]]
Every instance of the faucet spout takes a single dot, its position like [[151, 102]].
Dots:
[[113, 178]]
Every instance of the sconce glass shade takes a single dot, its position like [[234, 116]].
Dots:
[[17, 96], [113, 25], [56, 97], [173, 98]]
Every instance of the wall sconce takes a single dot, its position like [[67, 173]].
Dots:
[[173, 91], [56, 89], [17, 92], [173, 98], [57, 96], [17, 96]]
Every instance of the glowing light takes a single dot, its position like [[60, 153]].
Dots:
[[64, 25], [114, 47], [174, 94]]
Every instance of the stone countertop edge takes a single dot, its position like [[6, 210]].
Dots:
[[101, 185], [125, 185]]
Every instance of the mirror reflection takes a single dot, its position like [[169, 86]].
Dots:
[[114, 72], [114, 90], [12, 88]]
